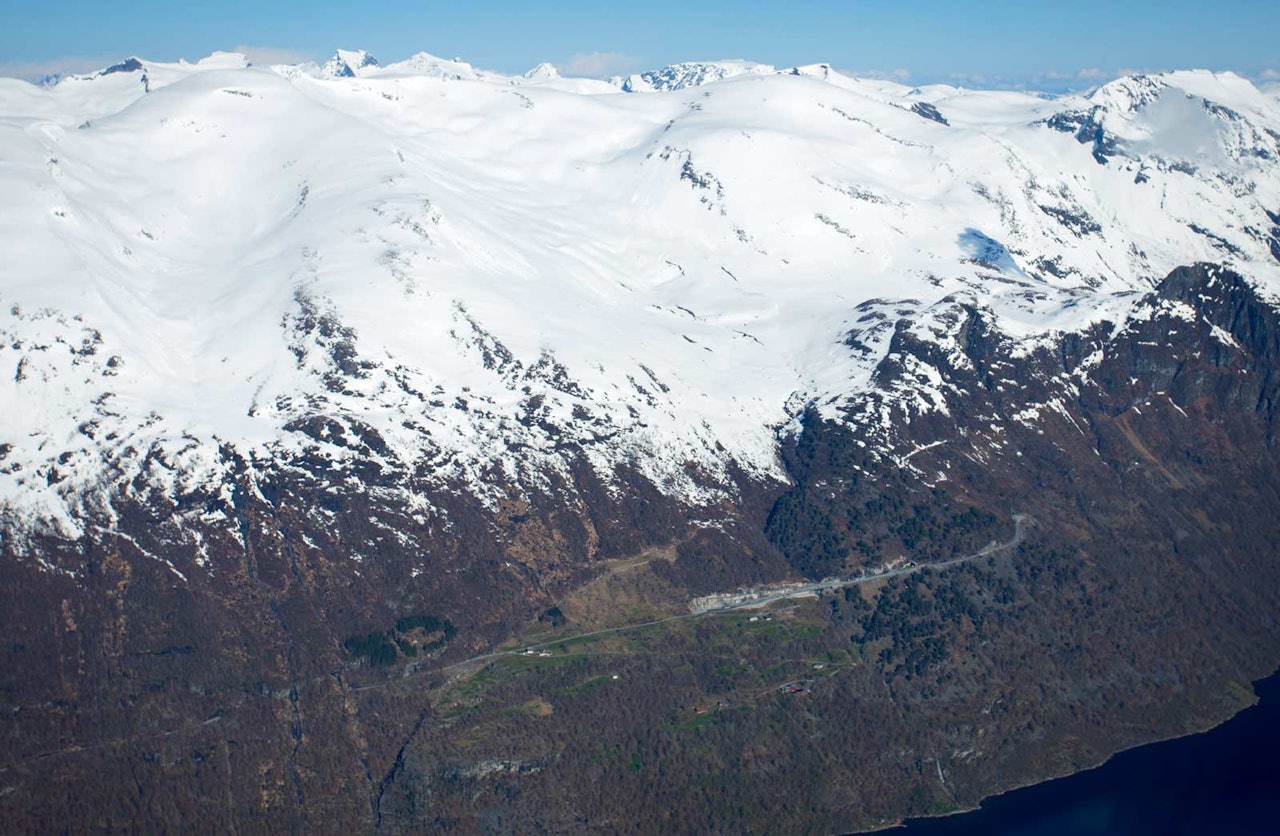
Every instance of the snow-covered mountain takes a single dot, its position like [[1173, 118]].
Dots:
[[353, 64], [325, 385], [347, 63], [478, 280], [689, 74]]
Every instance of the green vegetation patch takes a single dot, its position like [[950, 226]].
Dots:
[[412, 634], [587, 685], [374, 647]]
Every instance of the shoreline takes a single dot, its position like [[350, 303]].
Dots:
[[904, 823]]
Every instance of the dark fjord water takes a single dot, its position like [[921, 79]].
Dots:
[[1224, 782]]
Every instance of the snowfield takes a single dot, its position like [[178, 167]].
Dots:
[[488, 271]]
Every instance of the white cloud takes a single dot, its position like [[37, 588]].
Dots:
[[968, 79], [1269, 82], [901, 76], [1050, 81], [598, 64], [36, 70], [267, 55]]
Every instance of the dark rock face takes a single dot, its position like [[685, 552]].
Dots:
[[310, 679], [1088, 130], [1273, 239], [928, 111], [131, 65]]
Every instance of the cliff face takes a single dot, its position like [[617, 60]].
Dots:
[[1141, 593], [1144, 452]]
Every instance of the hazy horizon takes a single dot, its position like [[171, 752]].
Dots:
[[999, 44]]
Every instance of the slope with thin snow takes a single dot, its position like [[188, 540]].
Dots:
[[489, 275]]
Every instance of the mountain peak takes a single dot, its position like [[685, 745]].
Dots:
[[219, 60], [433, 66], [542, 72], [690, 74], [1128, 93], [347, 63], [129, 65]]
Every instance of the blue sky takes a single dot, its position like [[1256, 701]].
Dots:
[[995, 43]]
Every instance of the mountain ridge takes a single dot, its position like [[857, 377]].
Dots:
[[700, 304]]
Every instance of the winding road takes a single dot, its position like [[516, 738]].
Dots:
[[1020, 522]]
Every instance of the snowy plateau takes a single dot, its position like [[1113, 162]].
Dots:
[[463, 276]]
